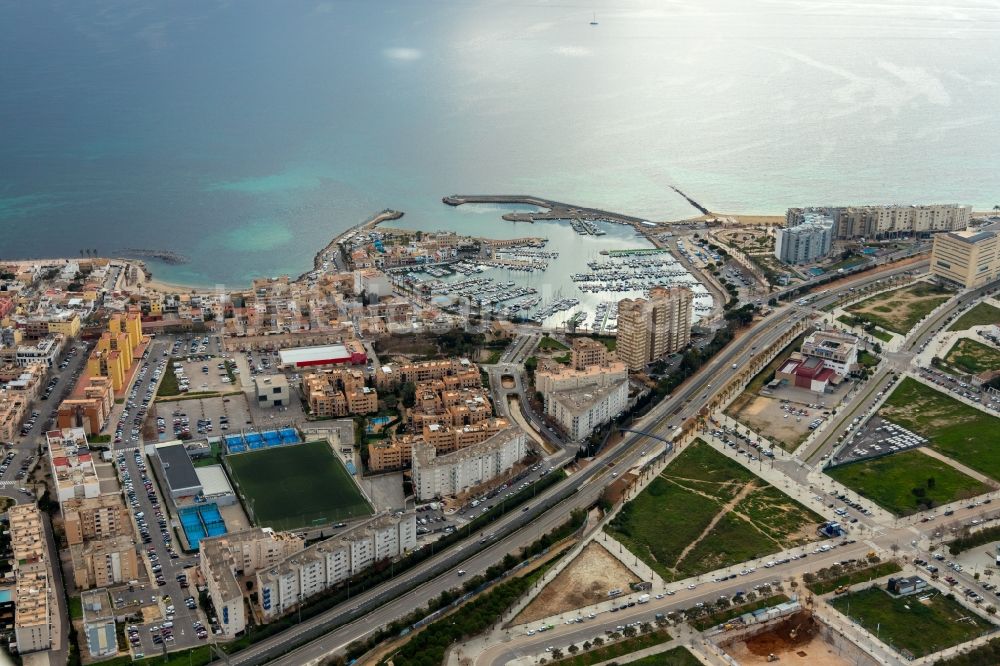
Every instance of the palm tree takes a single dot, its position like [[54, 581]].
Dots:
[[996, 209]]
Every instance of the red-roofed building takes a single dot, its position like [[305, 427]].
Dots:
[[808, 373]]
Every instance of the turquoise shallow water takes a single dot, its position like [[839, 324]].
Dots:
[[245, 135]]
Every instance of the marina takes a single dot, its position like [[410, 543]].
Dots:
[[534, 286]]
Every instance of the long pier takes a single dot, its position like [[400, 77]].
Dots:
[[555, 210]]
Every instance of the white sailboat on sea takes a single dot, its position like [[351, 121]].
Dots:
[[594, 22]]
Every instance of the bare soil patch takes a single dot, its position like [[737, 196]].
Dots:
[[806, 646], [585, 581]]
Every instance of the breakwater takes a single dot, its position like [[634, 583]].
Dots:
[[704, 211], [554, 210], [166, 256], [331, 251]]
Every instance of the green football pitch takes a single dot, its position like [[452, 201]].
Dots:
[[288, 487]]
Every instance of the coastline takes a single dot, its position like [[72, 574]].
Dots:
[[164, 287]]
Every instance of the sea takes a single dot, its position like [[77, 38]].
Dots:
[[244, 135]]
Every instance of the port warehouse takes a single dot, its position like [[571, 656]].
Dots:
[[272, 473]]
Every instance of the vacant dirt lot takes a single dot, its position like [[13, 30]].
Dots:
[[585, 581], [807, 647], [765, 417]]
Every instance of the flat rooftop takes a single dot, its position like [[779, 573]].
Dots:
[[213, 480], [307, 355], [177, 466]]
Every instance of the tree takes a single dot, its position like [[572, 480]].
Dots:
[[587, 645], [557, 653], [573, 649], [629, 632], [598, 641], [408, 394]]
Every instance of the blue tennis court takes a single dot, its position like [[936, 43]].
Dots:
[[200, 522], [255, 441]]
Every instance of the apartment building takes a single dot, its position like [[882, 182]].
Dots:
[[243, 553], [44, 351], [116, 349], [456, 373], [339, 392], [328, 563], [96, 518], [90, 408], [397, 453], [806, 242], [73, 471], [105, 562], [587, 352], [552, 376], [879, 222], [25, 381], [32, 591], [649, 329], [967, 258], [462, 470], [436, 403], [580, 411], [12, 411]]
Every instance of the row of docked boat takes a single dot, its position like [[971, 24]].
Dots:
[[586, 228]]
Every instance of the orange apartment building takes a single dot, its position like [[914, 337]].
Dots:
[[115, 351], [89, 410], [398, 452], [339, 392], [95, 518], [456, 373]]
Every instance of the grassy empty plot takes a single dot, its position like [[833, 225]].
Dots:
[[972, 357], [981, 314], [955, 429], [621, 648], [295, 486], [906, 623], [901, 483], [168, 383], [854, 577], [678, 656], [898, 310], [707, 511], [551, 344]]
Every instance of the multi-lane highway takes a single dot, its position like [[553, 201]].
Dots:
[[385, 603]]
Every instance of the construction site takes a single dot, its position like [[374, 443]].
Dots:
[[801, 638]]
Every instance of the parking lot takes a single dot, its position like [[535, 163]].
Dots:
[[989, 399], [200, 373], [198, 418], [877, 437], [169, 610]]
